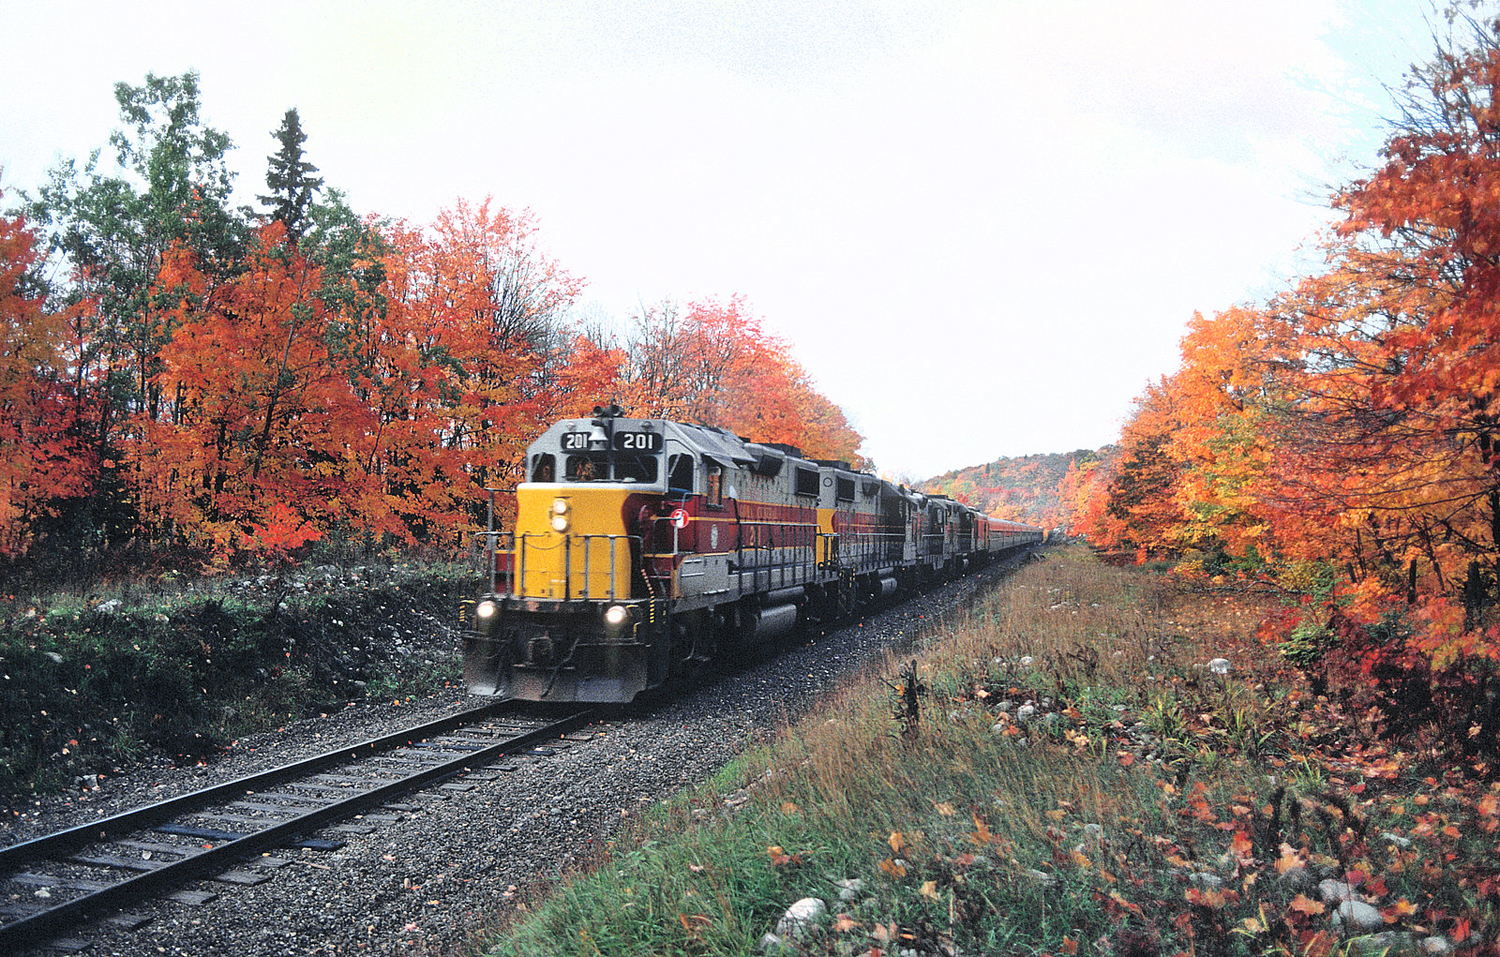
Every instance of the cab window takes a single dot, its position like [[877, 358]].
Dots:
[[544, 468], [680, 473], [587, 468], [598, 467], [714, 486], [635, 468], [844, 490]]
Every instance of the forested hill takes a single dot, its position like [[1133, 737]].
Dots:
[[1026, 489]]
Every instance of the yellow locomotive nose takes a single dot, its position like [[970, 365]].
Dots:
[[573, 546]]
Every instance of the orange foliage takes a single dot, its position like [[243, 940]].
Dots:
[[261, 439], [482, 310], [383, 395], [42, 458], [1222, 391], [1137, 508], [717, 366], [1355, 420], [245, 400], [295, 407]]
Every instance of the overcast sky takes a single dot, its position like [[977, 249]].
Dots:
[[982, 226]]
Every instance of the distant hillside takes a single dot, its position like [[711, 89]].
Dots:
[[1023, 489]]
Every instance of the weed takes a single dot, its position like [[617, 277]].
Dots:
[[1308, 776], [1307, 644], [1247, 730], [1164, 717], [909, 694]]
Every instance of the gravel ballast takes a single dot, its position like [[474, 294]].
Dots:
[[423, 883]]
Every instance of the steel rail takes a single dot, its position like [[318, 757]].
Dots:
[[52, 845], [36, 928]]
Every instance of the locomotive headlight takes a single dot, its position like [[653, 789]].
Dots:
[[616, 615], [559, 515], [486, 610]]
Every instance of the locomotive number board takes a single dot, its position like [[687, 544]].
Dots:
[[624, 441]]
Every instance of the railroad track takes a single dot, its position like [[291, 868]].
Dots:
[[57, 882]]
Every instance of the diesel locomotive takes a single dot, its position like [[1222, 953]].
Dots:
[[647, 549]]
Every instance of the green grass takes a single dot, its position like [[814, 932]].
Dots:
[[1153, 813]]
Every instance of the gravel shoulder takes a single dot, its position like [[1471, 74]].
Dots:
[[424, 883]]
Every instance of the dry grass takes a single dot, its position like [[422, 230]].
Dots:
[[1078, 779]]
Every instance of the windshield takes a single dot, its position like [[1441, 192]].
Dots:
[[604, 466]]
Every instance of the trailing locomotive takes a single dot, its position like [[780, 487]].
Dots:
[[644, 549]]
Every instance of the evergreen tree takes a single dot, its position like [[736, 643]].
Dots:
[[290, 178]]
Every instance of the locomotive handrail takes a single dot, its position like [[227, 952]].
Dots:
[[932, 543], [527, 539], [588, 565], [484, 551], [774, 552], [646, 567], [864, 549], [773, 525], [770, 560]]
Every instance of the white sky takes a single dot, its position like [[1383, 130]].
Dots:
[[981, 225]]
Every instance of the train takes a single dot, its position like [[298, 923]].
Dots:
[[646, 550]]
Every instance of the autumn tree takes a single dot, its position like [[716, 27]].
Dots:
[[106, 229], [1354, 421], [1142, 491], [1435, 201], [821, 428], [245, 386], [488, 309], [674, 372], [295, 408], [1227, 396], [714, 364], [1395, 373], [42, 459], [591, 371], [1085, 499], [233, 461]]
